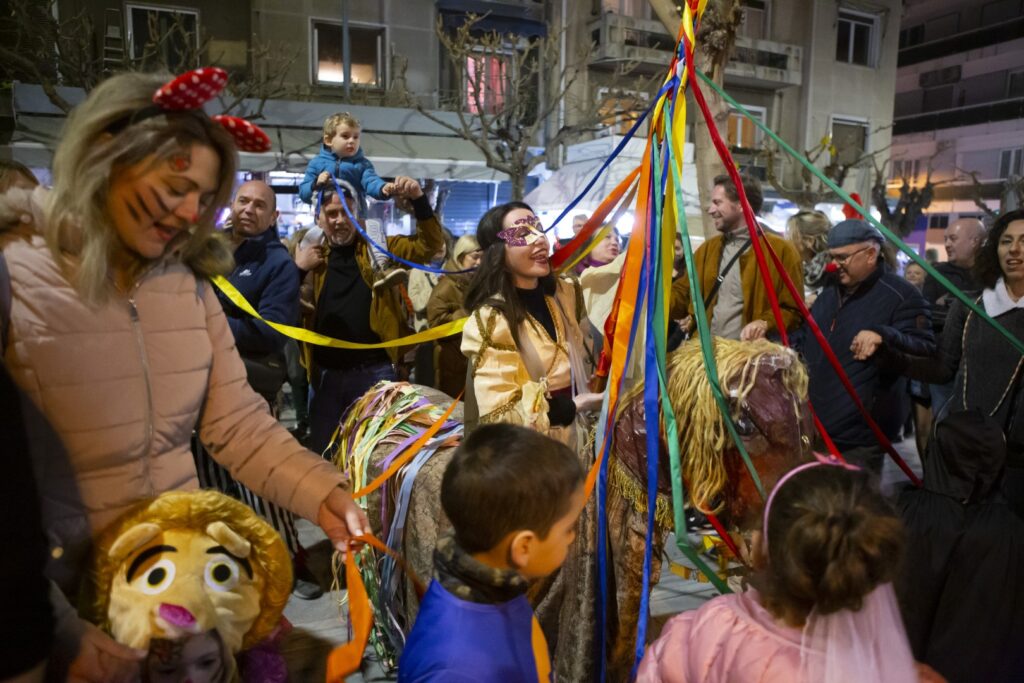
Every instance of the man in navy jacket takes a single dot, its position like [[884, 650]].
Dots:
[[863, 308], [264, 273]]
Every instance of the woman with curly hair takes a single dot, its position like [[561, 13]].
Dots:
[[987, 371]]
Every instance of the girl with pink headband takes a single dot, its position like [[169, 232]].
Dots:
[[822, 607]]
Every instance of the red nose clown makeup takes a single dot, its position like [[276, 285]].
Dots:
[[524, 232]]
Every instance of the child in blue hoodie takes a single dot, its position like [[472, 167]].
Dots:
[[341, 156], [513, 497]]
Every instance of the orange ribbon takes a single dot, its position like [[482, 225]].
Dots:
[[344, 660]]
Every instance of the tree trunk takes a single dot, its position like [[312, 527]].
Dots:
[[715, 40], [518, 186]]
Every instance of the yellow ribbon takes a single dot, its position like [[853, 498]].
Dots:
[[311, 337]]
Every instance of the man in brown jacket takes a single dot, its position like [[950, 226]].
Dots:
[[736, 295], [338, 300]]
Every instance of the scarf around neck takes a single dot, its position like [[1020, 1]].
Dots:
[[471, 580]]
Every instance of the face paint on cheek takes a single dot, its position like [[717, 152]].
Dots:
[[180, 162]]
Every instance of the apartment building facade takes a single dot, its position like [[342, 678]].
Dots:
[[960, 105]]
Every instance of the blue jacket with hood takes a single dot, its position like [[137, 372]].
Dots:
[[267, 277], [356, 169]]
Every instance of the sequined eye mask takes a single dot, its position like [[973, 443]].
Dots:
[[524, 232]]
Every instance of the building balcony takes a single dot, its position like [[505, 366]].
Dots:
[[1003, 110], [962, 42], [646, 47], [765, 64]]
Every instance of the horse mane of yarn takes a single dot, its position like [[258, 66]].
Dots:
[[701, 427]]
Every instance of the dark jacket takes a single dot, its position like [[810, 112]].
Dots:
[[445, 306], [888, 305], [389, 317], [355, 169], [975, 353], [267, 277], [940, 298]]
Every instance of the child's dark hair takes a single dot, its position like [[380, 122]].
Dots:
[[505, 478], [832, 538]]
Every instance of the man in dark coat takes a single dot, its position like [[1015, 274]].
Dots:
[[863, 307], [963, 240], [266, 276]]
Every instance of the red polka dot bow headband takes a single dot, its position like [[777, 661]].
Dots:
[[189, 92]]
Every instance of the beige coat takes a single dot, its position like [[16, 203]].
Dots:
[[123, 386]]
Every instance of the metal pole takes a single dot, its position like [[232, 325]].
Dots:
[[346, 50]]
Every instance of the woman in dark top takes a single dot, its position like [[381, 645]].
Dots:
[[987, 369]]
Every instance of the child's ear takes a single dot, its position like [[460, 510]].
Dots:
[[520, 548], [327, 138]]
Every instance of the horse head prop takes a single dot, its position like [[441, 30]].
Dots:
[[766, 387]]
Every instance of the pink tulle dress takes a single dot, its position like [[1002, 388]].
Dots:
[[733, 639]]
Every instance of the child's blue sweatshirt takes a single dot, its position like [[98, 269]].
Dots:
[[356, 169]]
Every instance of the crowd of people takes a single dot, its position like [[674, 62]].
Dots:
[[135, 375]]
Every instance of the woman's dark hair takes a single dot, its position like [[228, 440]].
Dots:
[[986, 265], [506, 478], [492, 279], [832, 538]]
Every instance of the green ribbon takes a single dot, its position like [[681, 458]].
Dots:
[[891, 236]]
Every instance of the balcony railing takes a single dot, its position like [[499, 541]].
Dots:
[[1004, 110], [647, 46], [962, 42]]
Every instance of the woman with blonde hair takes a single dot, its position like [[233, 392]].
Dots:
[[808, 230], [117, 338], [445, 306]]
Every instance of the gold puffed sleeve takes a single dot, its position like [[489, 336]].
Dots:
[[502, 386]]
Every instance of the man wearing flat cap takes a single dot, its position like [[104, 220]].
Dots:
[[864, 307]]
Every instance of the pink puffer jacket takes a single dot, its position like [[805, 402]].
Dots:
[[123, 386]]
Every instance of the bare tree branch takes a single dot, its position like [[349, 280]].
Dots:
[[502, 98]]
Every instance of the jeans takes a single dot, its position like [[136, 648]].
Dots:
[[333, 392]]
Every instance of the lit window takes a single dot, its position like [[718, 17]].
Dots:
[[905, 168], [850, 139], [742, 132], [486, 84], [163, 38], [855, 38], [619, 109], [366, 52]]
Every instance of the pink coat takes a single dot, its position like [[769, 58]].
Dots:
[[122, 386], [730, 639]]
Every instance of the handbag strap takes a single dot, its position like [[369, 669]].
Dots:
[[722, 272]]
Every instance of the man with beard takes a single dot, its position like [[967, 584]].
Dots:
[[339, 301]]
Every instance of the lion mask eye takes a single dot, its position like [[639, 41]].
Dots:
[[221, 574], [157, 578]]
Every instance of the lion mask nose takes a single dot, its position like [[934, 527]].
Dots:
[[176, 615]]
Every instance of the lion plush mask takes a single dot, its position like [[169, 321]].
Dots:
[[189, 563]]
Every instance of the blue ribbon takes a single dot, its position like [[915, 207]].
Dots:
[[607, 162], [355, 223]]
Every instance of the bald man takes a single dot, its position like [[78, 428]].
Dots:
[[264, 273], [963, 240]]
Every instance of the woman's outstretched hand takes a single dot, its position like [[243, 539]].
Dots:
[[342, 519]]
